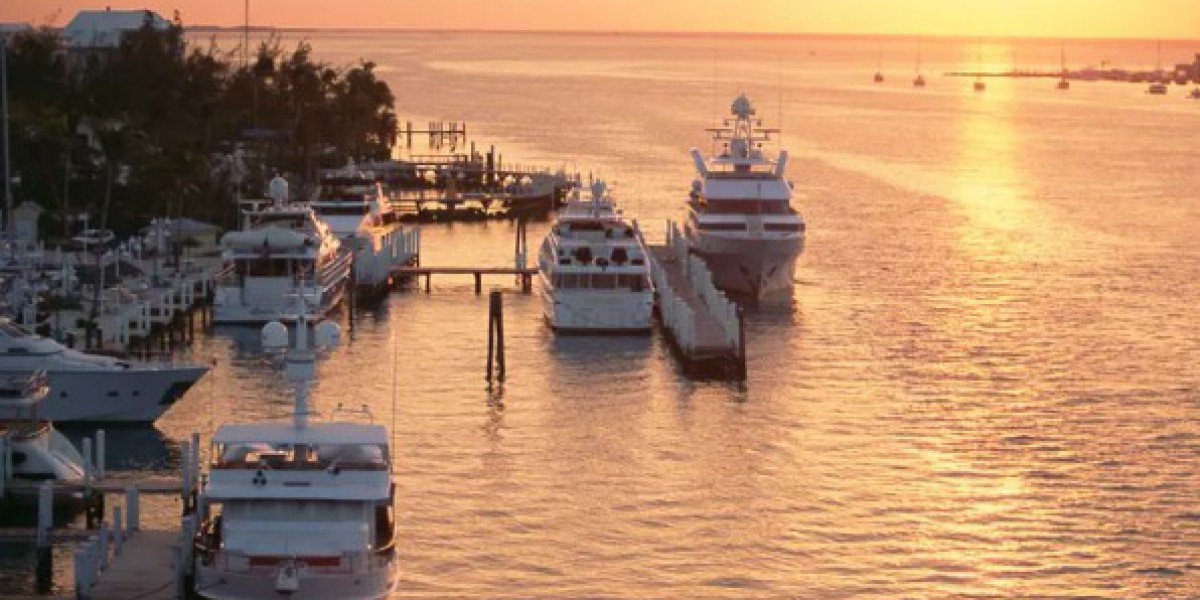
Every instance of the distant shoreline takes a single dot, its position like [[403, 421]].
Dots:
[[676, 34]]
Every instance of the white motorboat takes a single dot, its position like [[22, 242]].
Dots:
[[297, 510], [29, 443], [282, 249], [353, 205], [592, 270], [739, 217], [86, 387]]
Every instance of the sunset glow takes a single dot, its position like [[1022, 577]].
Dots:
[[1051, 18]]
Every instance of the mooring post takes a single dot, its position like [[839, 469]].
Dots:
[[497, 318], [100, 453], [105, 537], [5, 461], [491, 335], [185, 472], [45, 558], [478, 283], [118, 530], [741, 349], [132, 506]]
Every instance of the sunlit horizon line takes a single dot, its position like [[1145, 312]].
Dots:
[[694, 33]]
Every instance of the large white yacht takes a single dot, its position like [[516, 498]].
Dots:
[[86, 387], [354, 206], [297, 510], [739, 217], [592, 270], [282, 249], [36, 450]]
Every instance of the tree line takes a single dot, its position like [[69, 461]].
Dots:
[[159, 126]]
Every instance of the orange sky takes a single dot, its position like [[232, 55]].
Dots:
[[1048, 18]]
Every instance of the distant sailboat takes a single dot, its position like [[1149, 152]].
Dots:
[[1063, 83], [1157, 87], [879, 67], [979, 84], [919, 80]]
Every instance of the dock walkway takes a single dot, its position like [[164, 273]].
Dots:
[[144, 568], [704, 326]]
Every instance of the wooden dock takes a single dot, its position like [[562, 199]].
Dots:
[[705, 327], [144, 567], [524, 275]]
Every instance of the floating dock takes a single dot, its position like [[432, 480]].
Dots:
[[704, 327]]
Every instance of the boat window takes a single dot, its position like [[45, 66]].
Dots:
[[784, 226], [14, 331], [723, 226], [748, 206], [18, 458], [569, 281], [603, 281], [636, 283], [342, 210], [271, 267]]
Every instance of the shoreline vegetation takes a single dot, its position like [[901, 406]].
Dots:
[[164, 125]]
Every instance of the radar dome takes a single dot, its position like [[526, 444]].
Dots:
[[274, 336]]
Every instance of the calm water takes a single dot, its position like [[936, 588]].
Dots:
[[986, 386]]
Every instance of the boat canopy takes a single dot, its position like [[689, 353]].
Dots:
[[275, 238], [314, 434]]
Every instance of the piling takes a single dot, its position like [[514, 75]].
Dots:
[[100, 453], [45, 558], [133, 507], [495, 356], [5, 465]]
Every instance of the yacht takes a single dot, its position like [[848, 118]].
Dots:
[[86, 387], [295, 509], [739, 216], [36, 450], [353, 205], [593, 272], [282, 249]]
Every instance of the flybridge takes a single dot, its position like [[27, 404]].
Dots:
[[738, 147]]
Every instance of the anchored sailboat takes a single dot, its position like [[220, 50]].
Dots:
[[919, 80], [1063, 83]]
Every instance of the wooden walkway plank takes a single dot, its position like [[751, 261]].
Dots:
[[144, 569]]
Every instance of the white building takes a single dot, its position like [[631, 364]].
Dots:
[[94, 29]]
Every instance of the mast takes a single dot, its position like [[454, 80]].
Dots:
[[8, 196]]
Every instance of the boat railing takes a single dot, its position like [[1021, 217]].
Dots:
[[676, 312]]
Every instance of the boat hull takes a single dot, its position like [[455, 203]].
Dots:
[[217, 584], [591, 311], [754, 268], [133, 395]]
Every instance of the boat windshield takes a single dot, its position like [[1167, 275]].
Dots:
[[301, 456], [748, 206], [14, 331]]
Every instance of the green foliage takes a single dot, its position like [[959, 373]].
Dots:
[[139, 130]]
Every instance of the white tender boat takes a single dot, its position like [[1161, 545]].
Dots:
[[297, 510], [353, 205], [86, 387], [593, 272], [283, 249], [739, 217], [35, 450]]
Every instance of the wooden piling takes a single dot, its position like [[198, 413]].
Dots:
[[495, 337], [45, 558]]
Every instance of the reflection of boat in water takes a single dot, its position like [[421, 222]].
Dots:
[[86, 387], [739, 217], [593, 272], [31, 448], [282, 249], [298, 509]]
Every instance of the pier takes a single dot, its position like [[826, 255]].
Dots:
[[703, 326], [523, 275]]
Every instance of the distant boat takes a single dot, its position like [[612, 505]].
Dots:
[[1195, 95], [919, 80], [1158, 87], [979, 84], [1063, 83], [879, 68]]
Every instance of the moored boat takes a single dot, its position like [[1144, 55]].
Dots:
[[282, 249], [87, 387], [739, 217], [593, 272]]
